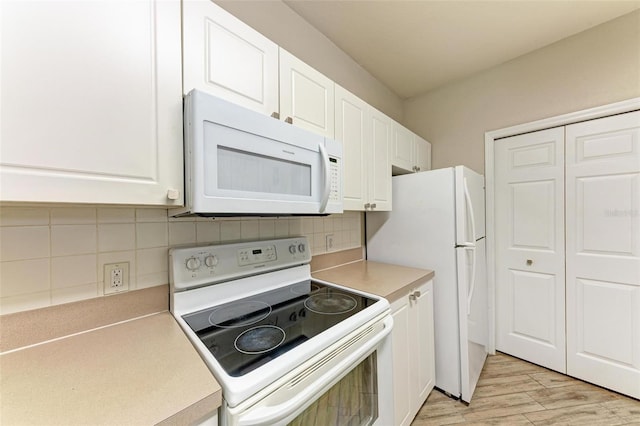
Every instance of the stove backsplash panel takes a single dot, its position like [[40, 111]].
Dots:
[[50, 256]]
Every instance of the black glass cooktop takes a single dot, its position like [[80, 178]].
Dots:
[[247, 333]]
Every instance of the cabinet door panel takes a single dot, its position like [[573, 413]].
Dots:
[[91, 106], [423, 154], [306, 96], [379, 163], [402, 155], [351, 130], [603, 252], [426, 366], [227, 58], [403, 377]]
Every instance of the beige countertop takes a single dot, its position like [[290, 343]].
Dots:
[[382, 279], [144, 371]]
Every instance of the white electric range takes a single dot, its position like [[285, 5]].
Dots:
[[281, 344]]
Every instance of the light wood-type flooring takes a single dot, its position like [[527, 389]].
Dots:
[[514, 392]]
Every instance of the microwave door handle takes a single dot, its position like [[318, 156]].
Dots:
[[327, 178]]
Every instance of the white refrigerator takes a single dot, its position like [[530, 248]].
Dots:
[[437, 223]]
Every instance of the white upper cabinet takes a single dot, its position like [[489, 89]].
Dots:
[[351, 130], [423, 154], [91, 102], [365, 135], [306, 96], [379, 161], [403, 149], [227, 58], [410, 153]]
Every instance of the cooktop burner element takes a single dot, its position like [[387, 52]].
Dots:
[[239, 314], [304, 289], [330, 303], [259, 339]]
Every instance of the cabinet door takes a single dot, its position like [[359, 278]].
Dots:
[[402, 150], [227, 58], [423, 154], [403, 376], [379, 162], [603, 252], [352, 130], [91, 102], [422, 318], [306, 96]]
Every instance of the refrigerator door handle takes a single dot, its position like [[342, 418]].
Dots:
[[467, 198], [472, 284]]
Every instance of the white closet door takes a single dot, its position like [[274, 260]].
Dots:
[[530, 286], [603, 252]]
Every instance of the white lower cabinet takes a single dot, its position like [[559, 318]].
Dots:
[[91, 102], [413, 351]]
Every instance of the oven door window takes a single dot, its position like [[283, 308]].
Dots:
[[351, 401]]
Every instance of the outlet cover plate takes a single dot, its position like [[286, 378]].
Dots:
[[116, 277]]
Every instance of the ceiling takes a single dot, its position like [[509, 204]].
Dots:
[[415, 46]]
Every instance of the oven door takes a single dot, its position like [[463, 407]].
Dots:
[[348, 383], [240, 161]]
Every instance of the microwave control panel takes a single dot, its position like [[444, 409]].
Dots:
[[334, 169]]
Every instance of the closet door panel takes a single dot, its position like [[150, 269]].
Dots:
[[603, 252], [530, 247]]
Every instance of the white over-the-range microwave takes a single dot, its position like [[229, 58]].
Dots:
[[239, 162]]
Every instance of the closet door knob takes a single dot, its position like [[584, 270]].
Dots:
[[529, 262]]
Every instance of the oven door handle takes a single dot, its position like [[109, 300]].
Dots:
[[292, 406]]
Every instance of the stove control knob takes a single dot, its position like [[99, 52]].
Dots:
[[211, 261], [301, 248], [193, 263], [292, 249]]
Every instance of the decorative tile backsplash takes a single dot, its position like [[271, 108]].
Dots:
[[50, 256]]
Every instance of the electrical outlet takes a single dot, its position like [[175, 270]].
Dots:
[[116, 277], [329, 242]]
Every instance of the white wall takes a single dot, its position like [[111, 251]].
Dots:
[[595, 67]]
